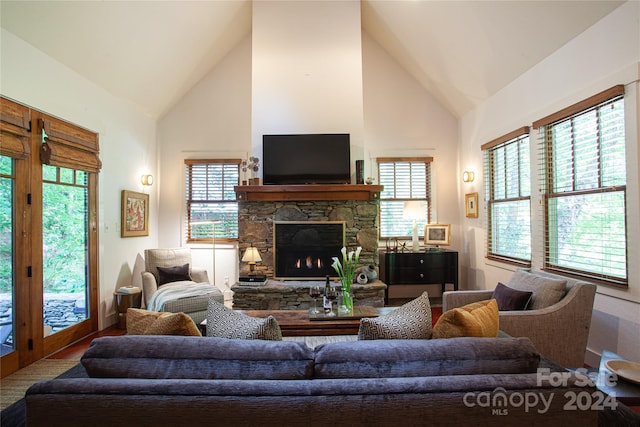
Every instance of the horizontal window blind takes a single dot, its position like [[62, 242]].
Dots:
[[14, 129], [583, 173], [211, 199], [69, 146], [508, 196], [404, 179]]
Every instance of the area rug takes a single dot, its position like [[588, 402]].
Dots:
[[436, 312], [14, 386], [14, 414]]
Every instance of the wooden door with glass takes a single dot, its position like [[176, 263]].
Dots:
[[48, 234]]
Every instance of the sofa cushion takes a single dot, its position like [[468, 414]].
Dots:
[[144, 356], [226, 323], [144, 322], [511, 299], [410, 321], [414, 358], [479, 319], [546, 291], [176, 273]]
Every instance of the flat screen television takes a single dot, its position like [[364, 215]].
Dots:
[[306, 159]]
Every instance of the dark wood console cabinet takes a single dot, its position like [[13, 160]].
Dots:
[[419, 268]]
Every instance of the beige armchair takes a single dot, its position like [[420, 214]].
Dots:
[[189, 296], [559, 332]]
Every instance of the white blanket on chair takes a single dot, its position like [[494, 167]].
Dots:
[[177, 290]]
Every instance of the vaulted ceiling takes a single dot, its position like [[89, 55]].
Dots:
[[152, 52]]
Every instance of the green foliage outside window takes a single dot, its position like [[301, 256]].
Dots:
[[64, 225], [6, 224]]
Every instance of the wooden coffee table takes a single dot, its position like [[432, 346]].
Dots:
[[297, 322]]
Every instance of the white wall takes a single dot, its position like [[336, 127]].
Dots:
[[402, 119], [127, 150], [213, 120], [605, 55], [307, 70]]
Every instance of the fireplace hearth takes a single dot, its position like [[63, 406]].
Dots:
[[304, 250]]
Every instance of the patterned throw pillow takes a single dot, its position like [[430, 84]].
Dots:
[[144, 322], [226, 323], [479, 319], [411, 321], [173, 274]]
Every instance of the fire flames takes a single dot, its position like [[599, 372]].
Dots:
[[309, 263]]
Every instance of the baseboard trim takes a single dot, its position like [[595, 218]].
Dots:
[[592, 358]]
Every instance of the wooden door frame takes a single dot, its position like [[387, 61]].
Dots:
[[28, 298]]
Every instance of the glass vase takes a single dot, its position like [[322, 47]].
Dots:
[[347, 301]]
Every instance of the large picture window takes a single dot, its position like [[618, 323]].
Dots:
[[584, 182], [508, 195], [211, 199], [404, 180]]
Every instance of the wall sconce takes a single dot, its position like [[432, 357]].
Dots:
[[146, 179], [468, 176]]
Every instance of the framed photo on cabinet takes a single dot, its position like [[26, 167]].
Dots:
[[471, 205], [437, 234]]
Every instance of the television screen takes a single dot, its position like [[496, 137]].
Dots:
[[306, 159]]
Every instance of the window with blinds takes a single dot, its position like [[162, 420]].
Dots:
[[404, 180], [584, 184], [211, 199], [508, 196]]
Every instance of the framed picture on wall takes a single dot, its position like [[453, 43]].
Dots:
[[437, 234], [135, 214], [471, 205]]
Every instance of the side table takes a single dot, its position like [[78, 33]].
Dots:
[[125, 299], [625, 391]]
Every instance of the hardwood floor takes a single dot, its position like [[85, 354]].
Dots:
[[77, 349]]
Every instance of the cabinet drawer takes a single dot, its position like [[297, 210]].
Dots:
[[420, 260], [410, 275]]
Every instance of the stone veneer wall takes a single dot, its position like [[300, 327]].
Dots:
[[255, 226], [294, 295]]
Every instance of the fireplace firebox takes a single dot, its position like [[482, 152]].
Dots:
[[304, 250]]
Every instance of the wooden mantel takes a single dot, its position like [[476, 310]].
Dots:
[[270, 193]]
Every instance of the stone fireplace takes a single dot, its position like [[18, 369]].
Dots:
[[260, 207]]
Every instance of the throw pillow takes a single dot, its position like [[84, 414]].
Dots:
[[546, 291], [144, 322], [226, 323], [410, 321], [173, 274], [479, 319], [511, 299]]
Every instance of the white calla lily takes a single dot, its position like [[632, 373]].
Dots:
[[347, 269]]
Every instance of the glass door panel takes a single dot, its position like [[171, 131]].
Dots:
[[65, 251], [7, 317]]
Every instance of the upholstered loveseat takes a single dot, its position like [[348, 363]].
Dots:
[[170, 380], [559, 330]]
